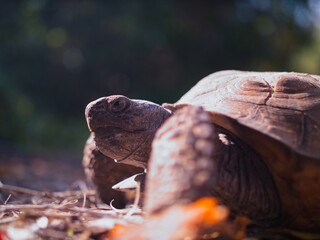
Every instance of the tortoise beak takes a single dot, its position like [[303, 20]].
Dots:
[[88, 108], [93, 109]]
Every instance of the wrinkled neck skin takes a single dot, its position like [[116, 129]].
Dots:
[[123, 129]]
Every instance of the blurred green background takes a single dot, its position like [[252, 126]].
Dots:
[[57, 56]]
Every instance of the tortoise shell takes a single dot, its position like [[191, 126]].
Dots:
[[284, 106]]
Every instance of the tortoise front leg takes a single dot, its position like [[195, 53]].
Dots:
[[180, 167]]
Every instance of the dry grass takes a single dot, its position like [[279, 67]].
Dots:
[[30, 214]]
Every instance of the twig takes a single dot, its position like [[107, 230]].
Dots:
[[10, 188], [16, 189], [7, 220], [135, 207], [84, 200], [72, 193], [14, 207], [120, 211], [5, 202], [73, 209]]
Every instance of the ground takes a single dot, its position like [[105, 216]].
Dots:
[[62, 207], [45, 196], [43, 172]]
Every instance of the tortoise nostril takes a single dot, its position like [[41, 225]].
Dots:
[[101, 105], [98, 106]]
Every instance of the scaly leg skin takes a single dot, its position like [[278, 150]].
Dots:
[[180, 166], [103, 173], [192, 158]]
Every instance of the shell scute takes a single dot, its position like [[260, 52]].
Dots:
[[294, 85], [284, 106]]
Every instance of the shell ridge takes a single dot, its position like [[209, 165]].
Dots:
[[271, 91]]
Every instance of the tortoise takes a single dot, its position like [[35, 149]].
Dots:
[[254, 143]]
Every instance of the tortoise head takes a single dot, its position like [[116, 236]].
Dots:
[[123, 128]]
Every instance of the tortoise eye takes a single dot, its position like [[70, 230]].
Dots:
[[119, 105]]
